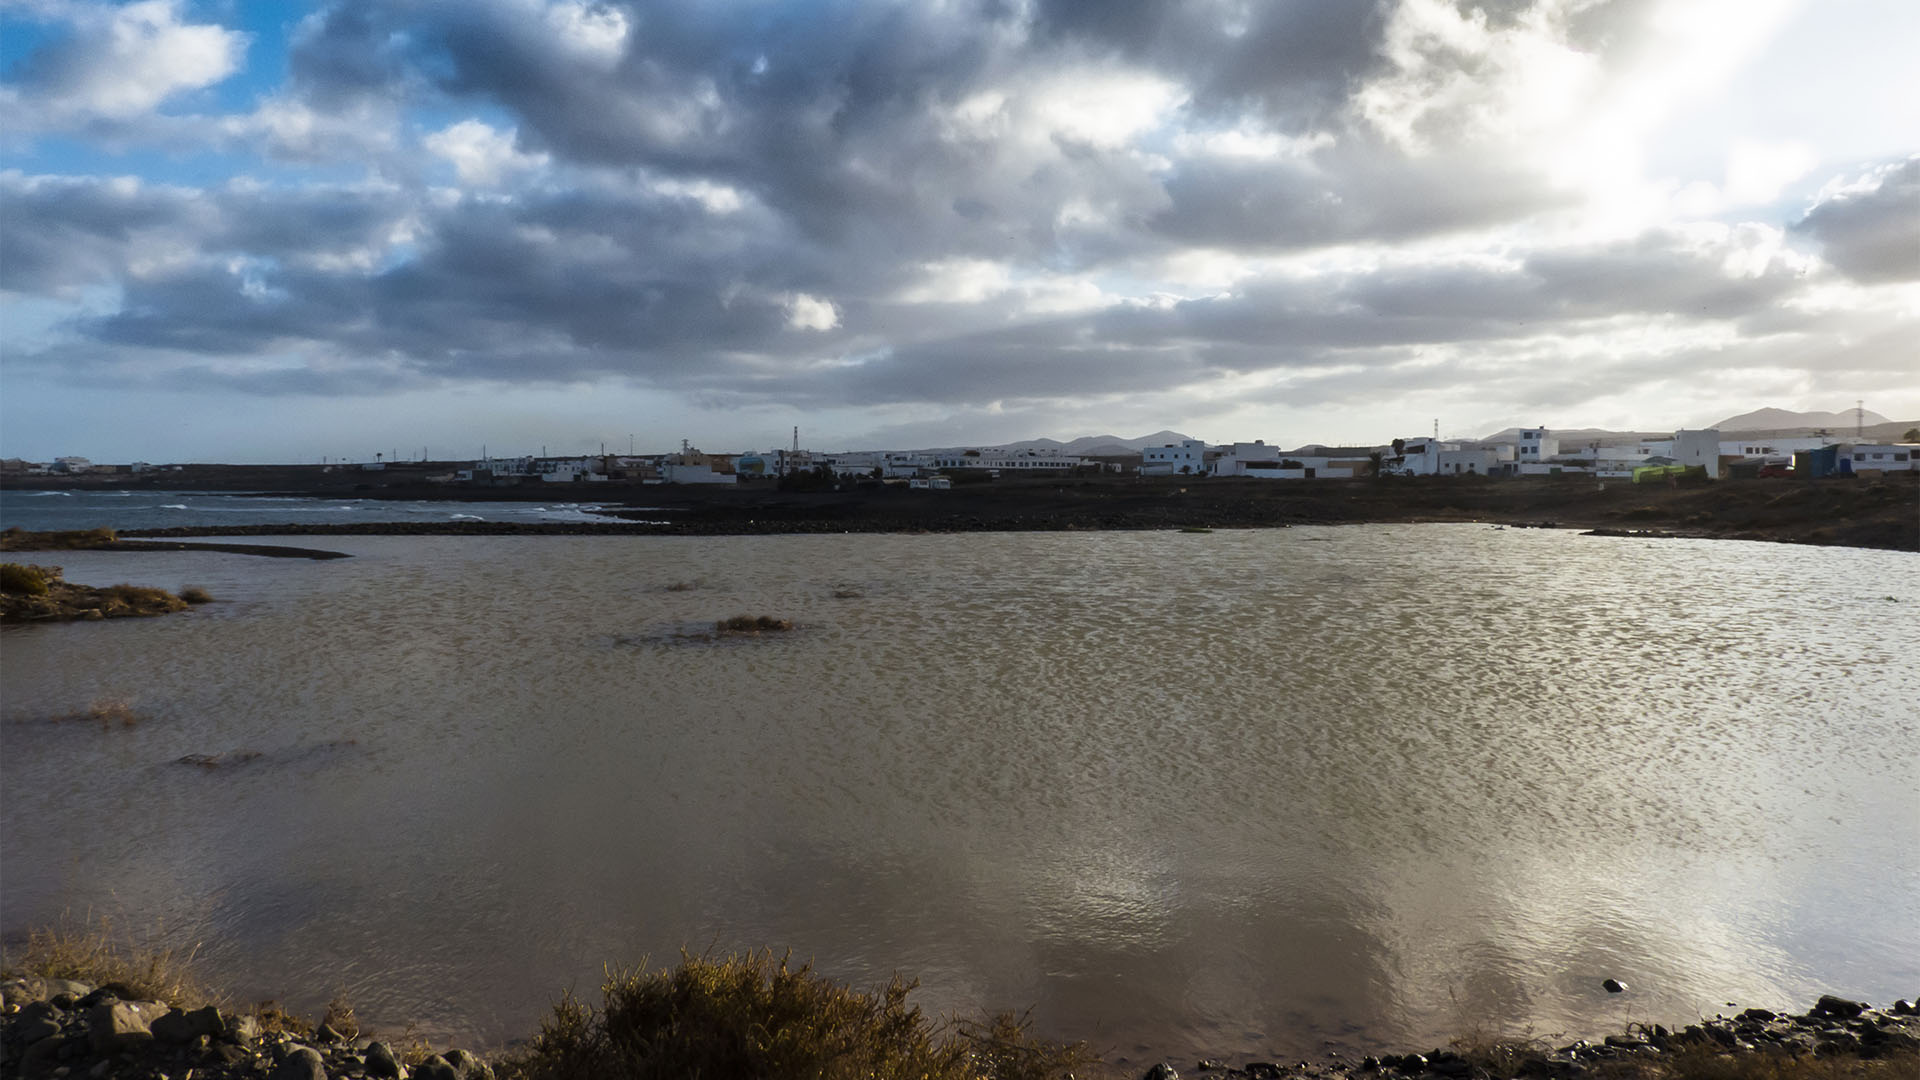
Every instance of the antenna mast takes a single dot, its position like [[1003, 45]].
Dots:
[[1859, 418]]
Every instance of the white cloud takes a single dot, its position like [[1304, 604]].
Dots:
[[957, 281], [1758, 172], [811, 313], [481, 154], [1250, 143], [125, 61], [593, 33], [1106, 108]]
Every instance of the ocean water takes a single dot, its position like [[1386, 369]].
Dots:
[[53, 510], [1254, 794]]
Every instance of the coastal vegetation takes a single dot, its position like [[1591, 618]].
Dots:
[[94, 953], [755, 1014], [76, 998], [30, 593], [18, 539]]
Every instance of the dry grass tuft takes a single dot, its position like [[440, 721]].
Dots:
[[274, 1018], [25, 579], [752, 624], [196, 594], [755, 1015], [139, 596], [340, 1016], [95, 955]]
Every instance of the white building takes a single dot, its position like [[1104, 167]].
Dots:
[[1421, 456], [71, 465], [1700, 448], [675, 473], [1025, 461], [1482, 461], [1533, 446], [1254, 458], [1768, 448], [569, 470], [1890, 457], [1188, 457]]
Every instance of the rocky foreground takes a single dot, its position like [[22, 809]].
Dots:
[[1835, 1032], [63, 1028]]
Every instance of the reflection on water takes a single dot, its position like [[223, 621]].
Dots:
[[1234, 793]]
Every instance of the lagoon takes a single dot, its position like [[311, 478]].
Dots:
[[1244, 793]]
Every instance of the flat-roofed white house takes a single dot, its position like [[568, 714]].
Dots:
[[1533, 445], [1188, 457], [1700, 448], [1888, 457]]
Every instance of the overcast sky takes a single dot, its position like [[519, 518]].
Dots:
[[251, 232]]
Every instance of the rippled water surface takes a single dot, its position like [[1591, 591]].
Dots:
[[1236, 793]]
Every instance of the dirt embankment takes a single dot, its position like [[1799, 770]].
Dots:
[[1862, 513]]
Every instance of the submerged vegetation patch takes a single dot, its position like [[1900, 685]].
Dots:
[[752, 624]]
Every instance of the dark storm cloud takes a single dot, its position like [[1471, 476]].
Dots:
[[1292, 63], [62, 232], [1872, 234], [684, 189]]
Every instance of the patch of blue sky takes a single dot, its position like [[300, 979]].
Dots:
[[20, 39], [203, 166], [269, 26]]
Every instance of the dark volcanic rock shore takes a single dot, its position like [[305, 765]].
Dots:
[[61, 1028], [1844, 1037]]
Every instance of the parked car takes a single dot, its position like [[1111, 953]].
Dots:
[[1775, 469]]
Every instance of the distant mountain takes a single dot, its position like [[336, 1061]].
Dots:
[[1780, 419], [1097, 445], [1574, 437]]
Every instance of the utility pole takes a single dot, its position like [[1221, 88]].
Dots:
[[1859, 419]]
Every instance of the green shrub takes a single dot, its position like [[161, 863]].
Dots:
[[21, 578], [753, 1015]]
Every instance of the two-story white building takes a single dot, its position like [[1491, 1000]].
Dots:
[[1188, 457]]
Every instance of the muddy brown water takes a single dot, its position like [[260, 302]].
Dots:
[[1244, 793]]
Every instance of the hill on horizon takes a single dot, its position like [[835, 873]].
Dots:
[[1771, 419], [1092, 445]]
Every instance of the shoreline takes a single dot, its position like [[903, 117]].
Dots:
[[105, 1025]]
